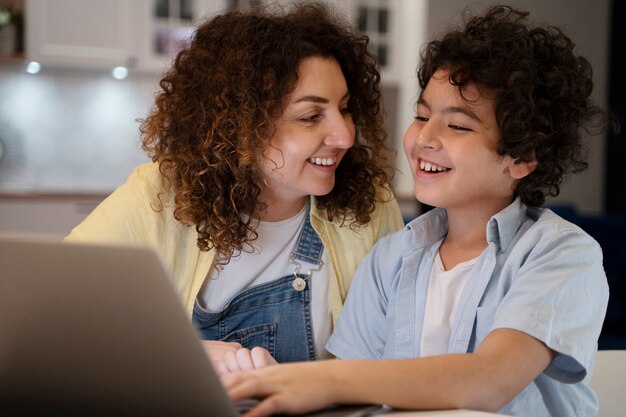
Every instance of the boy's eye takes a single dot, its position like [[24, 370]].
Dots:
[[421, 118], [457, 127]]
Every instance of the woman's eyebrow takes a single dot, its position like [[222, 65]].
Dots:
[[318, 99], [313, 99]]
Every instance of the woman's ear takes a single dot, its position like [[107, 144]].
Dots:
[[520, 169]]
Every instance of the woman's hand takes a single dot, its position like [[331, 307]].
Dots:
[[246, 360], [229, 357], [288, 388]]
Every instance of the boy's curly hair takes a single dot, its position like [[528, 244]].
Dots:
[[542, 92], [217, 109]]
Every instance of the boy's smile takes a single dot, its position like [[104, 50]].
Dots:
[[427, 166], [451, 148]]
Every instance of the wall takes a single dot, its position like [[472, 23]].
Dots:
[[75, 131], [69, 130]]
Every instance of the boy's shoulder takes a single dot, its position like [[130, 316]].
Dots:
[[545, 218], [519, 223], [546, 229]]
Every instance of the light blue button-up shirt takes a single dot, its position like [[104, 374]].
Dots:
[[539, 274]]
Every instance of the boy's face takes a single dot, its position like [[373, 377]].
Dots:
[[451, 148]]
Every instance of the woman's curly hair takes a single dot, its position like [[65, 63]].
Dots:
[[217, 107], [542, 92]]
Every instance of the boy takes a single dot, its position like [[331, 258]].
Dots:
[[487, 302]]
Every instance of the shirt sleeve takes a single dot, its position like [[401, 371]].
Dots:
[[126, 216], [361, 331], [559, 296]]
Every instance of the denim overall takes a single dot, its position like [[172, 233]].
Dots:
[[275, 315]]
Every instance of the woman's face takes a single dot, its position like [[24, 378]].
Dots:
[[312, 135]]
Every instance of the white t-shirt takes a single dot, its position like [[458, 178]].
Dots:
[[269, 262], [442, 299]]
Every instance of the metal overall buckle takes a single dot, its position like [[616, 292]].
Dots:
[[299, 284]]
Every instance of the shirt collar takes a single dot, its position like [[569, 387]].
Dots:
[[320, 214], [432, 226], [426, 229], [317, 212], [503, 226]]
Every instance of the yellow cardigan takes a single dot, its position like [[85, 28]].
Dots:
[[127, 217]]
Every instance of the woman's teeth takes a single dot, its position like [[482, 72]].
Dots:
[[322, 161], [427, 166]]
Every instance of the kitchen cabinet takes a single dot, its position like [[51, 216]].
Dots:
[[81, 33], [44, 214], [378, 19], [144, 35], [163, 26], [141, 35]]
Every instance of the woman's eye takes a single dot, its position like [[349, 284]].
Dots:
[[457, 127], [346, 110], [310, 119]]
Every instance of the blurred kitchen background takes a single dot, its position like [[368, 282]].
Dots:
[[75, 75]]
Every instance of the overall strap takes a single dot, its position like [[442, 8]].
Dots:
[[308, 248]]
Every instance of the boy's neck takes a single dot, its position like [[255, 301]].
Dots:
[[467, 235], [457, 248]]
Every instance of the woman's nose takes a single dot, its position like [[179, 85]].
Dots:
[[341, 132]]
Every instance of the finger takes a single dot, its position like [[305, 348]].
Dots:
[[245, 385], [215, 354], [231, 345], [221, 343], [217, 350], [244, 359], [231, 380], [220, 367], [267, 407], [218, 344], [230, 359], [261, 357]]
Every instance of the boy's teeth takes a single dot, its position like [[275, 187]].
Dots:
[[322, 161], [427, 166]]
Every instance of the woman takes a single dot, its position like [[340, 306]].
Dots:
[[269, 182]]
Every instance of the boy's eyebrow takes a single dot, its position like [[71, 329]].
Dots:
[[452, 109], [318, 99]]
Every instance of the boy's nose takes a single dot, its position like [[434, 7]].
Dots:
[[426, 136]]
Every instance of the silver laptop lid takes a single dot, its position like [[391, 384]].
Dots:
[[98, 330]]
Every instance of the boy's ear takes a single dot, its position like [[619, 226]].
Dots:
[[519, 169]]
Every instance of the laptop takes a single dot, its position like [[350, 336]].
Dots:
[[96, 330]]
